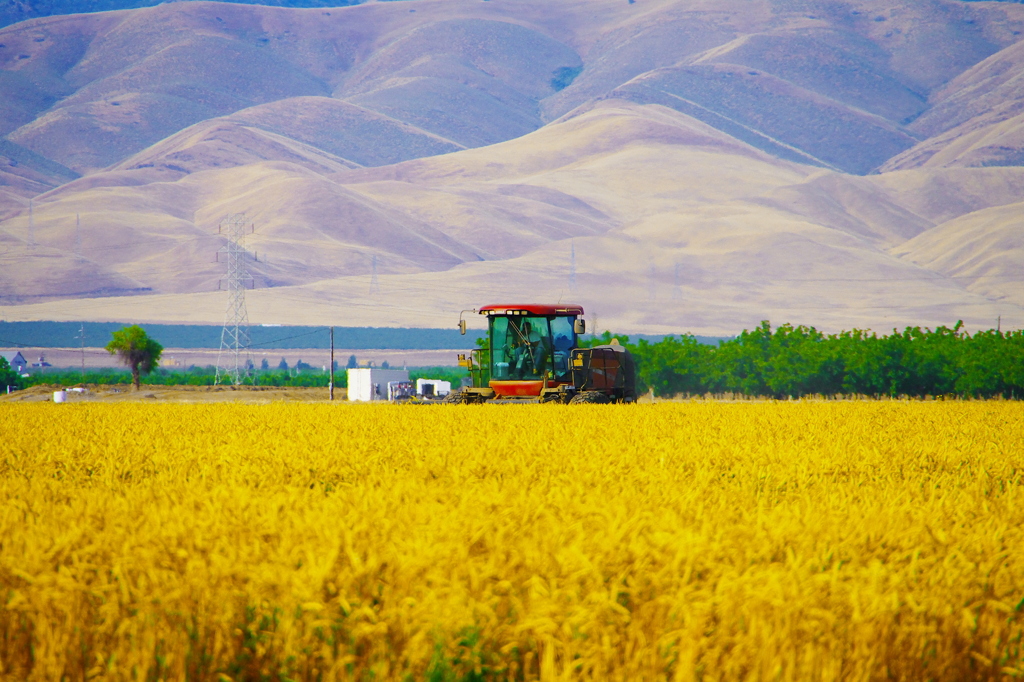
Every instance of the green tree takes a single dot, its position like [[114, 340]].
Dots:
[[136, 350], [8, 377], [672, 365]]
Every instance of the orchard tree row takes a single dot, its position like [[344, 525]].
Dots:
[[799, 361]]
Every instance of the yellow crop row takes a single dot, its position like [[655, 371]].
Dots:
[[767, 541]]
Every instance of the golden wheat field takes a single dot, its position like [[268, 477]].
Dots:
[[670, 541]]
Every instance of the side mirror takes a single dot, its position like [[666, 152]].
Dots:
[[579, 326], [462, 327]]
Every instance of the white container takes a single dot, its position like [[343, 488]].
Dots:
[[367, 384], [440, 387], [60, 396]]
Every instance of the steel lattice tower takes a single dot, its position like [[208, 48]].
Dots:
[[234, 361]]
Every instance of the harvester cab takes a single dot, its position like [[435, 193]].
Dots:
[[532, 354]]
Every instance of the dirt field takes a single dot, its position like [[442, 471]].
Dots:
[[178, 394]]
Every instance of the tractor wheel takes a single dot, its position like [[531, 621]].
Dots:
[[455, 398], [592, 397], [551, 398]]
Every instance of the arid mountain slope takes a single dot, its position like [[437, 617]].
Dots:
[[981, 251], [673, 165], [14, 11], [301, 130], [666, 222], [835, 83], [976, 120]]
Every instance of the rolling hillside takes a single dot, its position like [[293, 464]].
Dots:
[[671, 165]]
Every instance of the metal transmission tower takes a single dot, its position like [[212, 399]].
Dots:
[[234, 361], [572, 266]]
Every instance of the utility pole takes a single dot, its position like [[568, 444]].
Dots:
[[81, 336], [331, 384], [234, 361]]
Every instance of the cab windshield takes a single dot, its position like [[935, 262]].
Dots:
[[530, 347]]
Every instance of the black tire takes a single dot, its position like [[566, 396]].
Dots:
[[551, 398], [591, 397], [455, 398]]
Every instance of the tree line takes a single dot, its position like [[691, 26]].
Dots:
[[795, 361], [788, 361]]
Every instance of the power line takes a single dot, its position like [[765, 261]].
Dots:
[[289, 338]]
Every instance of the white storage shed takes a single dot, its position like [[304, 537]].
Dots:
[[366, 384], [437, 387]]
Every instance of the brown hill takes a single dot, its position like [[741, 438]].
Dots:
[[981, 251], [117, 113], [989, 85], [324, 134], [975, 120], [836, 82], [705, 163], [673, 226], [771, 113], [25, 174], [220, 143], [940, 195], [473, 81], [362, 136]]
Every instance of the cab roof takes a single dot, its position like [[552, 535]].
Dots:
[[532, 309]]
